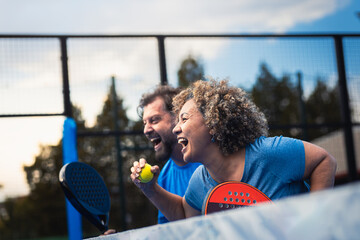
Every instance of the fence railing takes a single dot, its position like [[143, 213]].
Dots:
[[349, 102]]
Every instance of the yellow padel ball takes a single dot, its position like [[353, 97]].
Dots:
[[146, 175]]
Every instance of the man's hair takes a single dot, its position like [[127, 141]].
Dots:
[[165, 92], [232, 118]]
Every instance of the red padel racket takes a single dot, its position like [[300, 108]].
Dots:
[[229, 195]]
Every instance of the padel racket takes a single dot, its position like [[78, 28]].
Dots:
[[87, 192], [230, 195]]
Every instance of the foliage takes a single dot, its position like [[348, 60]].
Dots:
[[280, 99], [277, 98], [190, 71], [42, 213], [323, 107]]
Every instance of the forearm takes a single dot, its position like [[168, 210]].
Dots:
[[167, 203]]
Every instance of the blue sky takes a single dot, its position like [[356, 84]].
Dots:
[[222, 58], [160, 16], [344, 20]]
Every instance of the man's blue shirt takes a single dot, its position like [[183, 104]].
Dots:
[[175, 179]]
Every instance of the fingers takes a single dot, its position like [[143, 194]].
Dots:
[[136, 169], [110, 231], [142, 162]]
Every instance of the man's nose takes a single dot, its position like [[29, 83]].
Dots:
[[148, 129]]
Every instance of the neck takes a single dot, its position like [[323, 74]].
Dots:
[[226, 168], [177, 156]]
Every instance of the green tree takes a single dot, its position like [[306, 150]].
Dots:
[[100, 152], [190, 71], [278, 99], [42, 213], [323, 107]]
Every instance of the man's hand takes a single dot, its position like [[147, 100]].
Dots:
[[135, 173], [108, 232]]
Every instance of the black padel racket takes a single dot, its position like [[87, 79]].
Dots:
[[87, 192], [230, 195]]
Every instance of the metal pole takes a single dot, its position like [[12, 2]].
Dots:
[[65, 74], [302, 107], [74, 220], [118, 156], [345, 109], [161, 46]]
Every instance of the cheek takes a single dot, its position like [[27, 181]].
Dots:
[[201, 136]]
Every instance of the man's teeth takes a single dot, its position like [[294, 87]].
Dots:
[[155, 141]]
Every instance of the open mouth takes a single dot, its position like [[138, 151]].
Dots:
[[183, 141], [155, 141]]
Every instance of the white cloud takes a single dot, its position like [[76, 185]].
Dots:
[[160, 16]]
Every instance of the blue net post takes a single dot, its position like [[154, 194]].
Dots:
[[70, 155]]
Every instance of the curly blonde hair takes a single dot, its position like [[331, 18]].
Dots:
[[232, 118]]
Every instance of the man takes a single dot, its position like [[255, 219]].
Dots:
[[155, 108]]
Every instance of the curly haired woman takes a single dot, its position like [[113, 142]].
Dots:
[[220, 127]]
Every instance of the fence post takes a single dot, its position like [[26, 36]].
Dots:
[[161, 46], [302, 107], [345, 109], [70, 155], [65, 75], [118, 156]]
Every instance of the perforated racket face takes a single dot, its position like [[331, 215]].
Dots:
[[87, 186], [231, 195]]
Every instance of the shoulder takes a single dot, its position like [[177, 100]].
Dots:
[[279, 156], [199, 176], [275, 144], [276, 153]]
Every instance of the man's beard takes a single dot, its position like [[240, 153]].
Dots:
[[164, 154]]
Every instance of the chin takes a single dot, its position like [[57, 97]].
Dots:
[[187, 159], [162, 156]]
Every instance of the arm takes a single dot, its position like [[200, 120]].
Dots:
[[171, 205], [320, 167], [189, 211]]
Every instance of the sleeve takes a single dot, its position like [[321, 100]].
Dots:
[[288, 158], [193, 195]]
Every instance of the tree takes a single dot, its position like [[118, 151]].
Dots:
[[278, 99], [323, 106], [46, 201], [190, 71]]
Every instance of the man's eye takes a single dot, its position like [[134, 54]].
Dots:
[[155, 120]]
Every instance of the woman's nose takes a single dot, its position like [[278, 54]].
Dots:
[[176, 130]]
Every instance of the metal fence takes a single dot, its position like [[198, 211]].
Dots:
[[42, 75]]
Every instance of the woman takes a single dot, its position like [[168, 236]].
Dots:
[[220, 127]]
